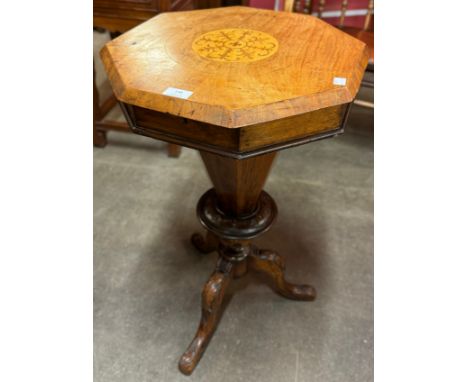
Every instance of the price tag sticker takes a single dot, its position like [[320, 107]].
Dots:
[[177, 93], [341, 81]]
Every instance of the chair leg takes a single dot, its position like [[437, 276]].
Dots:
[[99, 137], [173, 150]]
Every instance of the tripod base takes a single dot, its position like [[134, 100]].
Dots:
[[234, 212], [235, 259]]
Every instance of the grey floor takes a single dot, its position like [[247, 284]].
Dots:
[[148, 278]]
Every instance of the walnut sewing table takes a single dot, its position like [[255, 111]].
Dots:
[[238, 84]]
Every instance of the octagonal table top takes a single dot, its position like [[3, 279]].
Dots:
[[235, 66]]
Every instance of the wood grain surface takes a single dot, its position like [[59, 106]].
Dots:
[[296, 78]]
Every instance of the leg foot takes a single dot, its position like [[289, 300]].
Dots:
[[212, 298], [173, 150], [206, 244], [99, 138], [272, 264]]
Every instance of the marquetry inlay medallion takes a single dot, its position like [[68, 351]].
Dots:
[[235, 45]]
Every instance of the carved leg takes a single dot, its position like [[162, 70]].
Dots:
[[212, 298], [272, 264], [206, 244]]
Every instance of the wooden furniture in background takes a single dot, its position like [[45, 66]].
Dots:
[[246, 87], [122, 15], [118, 16], [365, 33]]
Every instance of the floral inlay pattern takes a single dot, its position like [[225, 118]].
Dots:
[[235, 45]]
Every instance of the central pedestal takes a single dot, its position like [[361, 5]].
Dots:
[[235, 211]]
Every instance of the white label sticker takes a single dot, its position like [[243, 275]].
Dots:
[[178, 93], [339, 81]]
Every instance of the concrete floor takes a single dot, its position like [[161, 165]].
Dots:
[[148, 278]]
